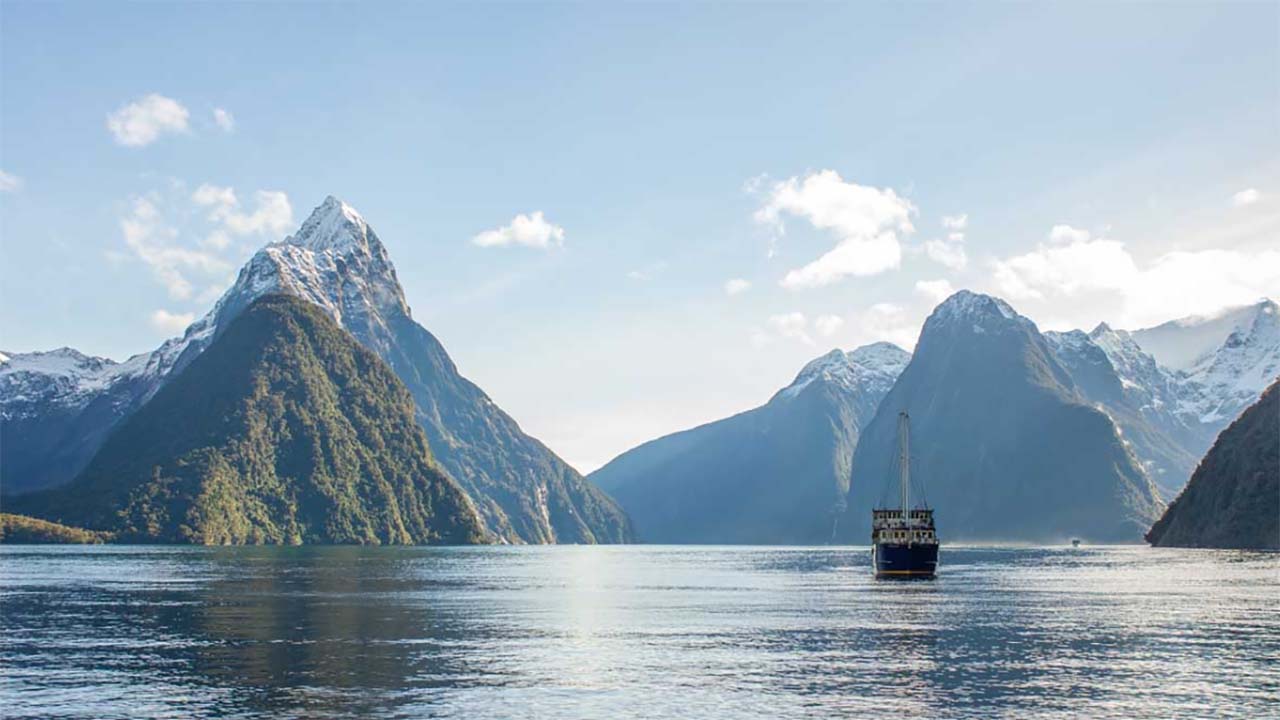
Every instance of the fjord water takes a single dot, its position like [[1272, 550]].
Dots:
[[639, 631]]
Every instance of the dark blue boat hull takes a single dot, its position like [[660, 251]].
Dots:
[[905, 560]]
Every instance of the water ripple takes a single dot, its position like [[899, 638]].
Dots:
[[635, 632]]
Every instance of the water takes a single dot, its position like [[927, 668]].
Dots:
[[635, 632]]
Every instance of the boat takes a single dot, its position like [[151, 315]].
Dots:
[[1075, 542], [904, 542]]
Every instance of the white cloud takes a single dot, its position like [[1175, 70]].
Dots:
[[1245, 197], [793, 325], [223, 198], [154, 242], [827, 325], [161, 230], [224, 120], [880, 322], [935, 290], [736, 286], [884, 322], [1083, 279], [272, 216], [865, 220], [1063, 234], [1070, 263], [948, 253], [9, 182], [218, 240], [171, 323], [528, 230], [863, 256], [142, 122]]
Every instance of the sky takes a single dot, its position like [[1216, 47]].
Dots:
[[624, 220]]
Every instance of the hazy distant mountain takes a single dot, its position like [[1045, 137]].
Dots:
[[775, 474], [1140, 396], [1233, 499], [57, 407], [1220, 382], [1003, 442], [283, 431], [1173, 388], [1178, 344], [523, 491]]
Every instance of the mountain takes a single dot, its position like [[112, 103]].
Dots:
[[1233, 499], [1229, 377], [23, 530], [283, 431], [1221, 363], [1003, 442], [1172, 388], [523, 491], [1178, 344], [1140, 396], [57, 407], [774, 474]]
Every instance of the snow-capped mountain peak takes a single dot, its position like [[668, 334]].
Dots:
[[1174, 386], [64, 376], [878, 364], [880, 357], [334, 226], [1120, 348], [335, 261], [1234, 374], [967, 311], [966, 303], [1183, 343]]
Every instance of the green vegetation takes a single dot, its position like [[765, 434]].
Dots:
[[23, 530], [1233, 498], [284, 431]]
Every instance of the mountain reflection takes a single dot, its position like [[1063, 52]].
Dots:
[[344, 630]]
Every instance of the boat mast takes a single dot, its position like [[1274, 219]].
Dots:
[[904, 462]]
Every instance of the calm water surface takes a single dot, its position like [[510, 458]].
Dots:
[[635, 632]]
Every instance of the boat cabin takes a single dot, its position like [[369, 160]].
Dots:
[[887, 526]]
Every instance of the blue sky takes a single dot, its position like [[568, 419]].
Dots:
[[845, 164]]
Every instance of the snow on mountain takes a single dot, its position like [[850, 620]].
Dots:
[[1140, 397], [777, 473], [1152, 387], [1009, 444], [65, 376], [524, 492], [868, 369], [977, 307], [1179, 344], [1220, 363], [1221, 383], [1173, 387], [334, 261]]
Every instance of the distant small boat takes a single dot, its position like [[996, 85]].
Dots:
[[904, 542], [1075, 542]]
